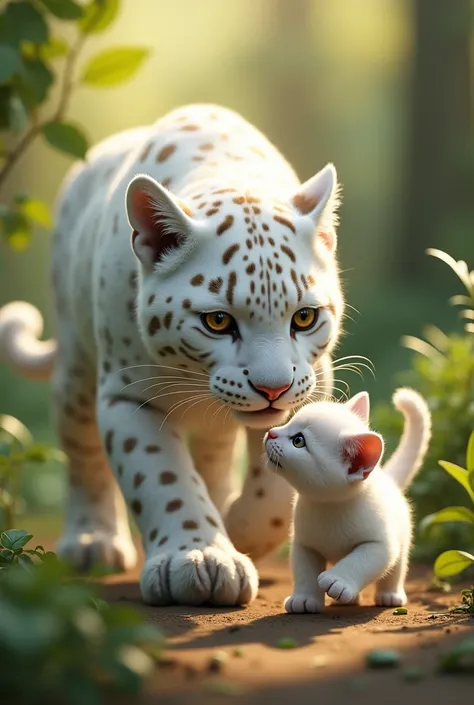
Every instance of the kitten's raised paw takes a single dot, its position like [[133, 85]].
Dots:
[[340, 589], [391, 598], [301, 604]]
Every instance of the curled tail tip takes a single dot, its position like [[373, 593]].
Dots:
[[406, 399], [21, 327]]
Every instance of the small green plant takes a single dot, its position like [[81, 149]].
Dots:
[[34, 60], [460, 659], [73, 647], [17, 447], [443, 372], [451, 563], [13, 551], [467, 606]]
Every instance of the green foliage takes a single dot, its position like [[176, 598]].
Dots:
[[467, 606], [13, 551], [460, 659], [443, 372], [32, 61], [17, 447], [73, 647]]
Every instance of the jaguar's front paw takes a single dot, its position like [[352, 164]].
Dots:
[[300, 604], [97, 548], [340, 589], [196, 577]]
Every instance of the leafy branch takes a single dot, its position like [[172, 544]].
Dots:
[[26, 77]]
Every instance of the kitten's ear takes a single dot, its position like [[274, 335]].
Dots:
[[363, 452], [318, 198], [162, 225], [359, 404]]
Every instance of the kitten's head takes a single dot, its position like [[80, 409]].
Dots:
[[326, 450]]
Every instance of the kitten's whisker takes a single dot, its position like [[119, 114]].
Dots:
[[199, 385], [166, 367]]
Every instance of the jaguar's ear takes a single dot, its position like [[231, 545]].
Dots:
[[318, 198], [163, 227]]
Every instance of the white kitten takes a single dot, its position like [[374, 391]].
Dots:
[[349, 511]]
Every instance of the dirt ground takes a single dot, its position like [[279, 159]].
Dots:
[[327, 663]]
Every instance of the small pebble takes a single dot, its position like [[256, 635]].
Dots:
[[383, 658], [287, 643], [238, 653], [217, 661], [400, 610], [413, 674]]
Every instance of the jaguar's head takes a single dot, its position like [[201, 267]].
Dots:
[[241, 288]]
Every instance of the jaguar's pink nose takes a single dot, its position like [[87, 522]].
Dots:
[[272, 434], [272, 393]]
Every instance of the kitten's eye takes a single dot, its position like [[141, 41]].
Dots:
[[219, 322], [299, 441], [305, 318]]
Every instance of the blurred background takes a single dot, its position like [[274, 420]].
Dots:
[[382, 88]]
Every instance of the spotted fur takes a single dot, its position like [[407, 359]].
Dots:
[[215, 220]]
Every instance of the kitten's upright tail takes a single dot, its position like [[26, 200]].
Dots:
[[21, 325], [408, 457]]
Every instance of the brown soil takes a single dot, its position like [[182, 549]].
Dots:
[[327, 664]]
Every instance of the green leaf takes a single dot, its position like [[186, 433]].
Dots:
[[451, 563], [66, 137], [17, 229], [470, 453], [26, 22], [98, 15], [470, 478], [10, 62], [113, 66], [35, 81], [54, 48], [64, 9], [17, 114], [38, 212], [459, 474], [460, 659], [15, 539], [461, 515]]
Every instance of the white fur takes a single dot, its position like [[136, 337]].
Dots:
[[355, 518], [124, 380]]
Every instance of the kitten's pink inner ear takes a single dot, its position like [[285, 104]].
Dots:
[[363, 451], [359, 404]]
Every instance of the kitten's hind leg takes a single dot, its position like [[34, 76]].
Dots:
[[390, 590], [307, 596]]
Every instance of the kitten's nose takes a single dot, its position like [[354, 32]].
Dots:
[[272, 393], [272, 434]]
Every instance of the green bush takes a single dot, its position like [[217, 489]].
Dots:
[[443, 372], [59, 643]]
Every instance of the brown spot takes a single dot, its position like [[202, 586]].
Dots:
[[182, 548], [189, 525], [225, 190], [304, 204], [225, 225], [206, 147], [231, 283], [138, 479], [186, 303], [278, 268], [215, 285], [167, 320], [239, 200], [284, 221], [108, 441], [136, 506], [197, 280], [168, 478], [260, 493], [196, 539], [162, 541], [288, 252], [256, 471], [229, 253], [174, 505], [189, 128], [129, 444], [154, 325], [146, 152], [166, 182], [151, 299], [212, 522], [212, 211], [276, 522], [294, 278], [153, 534], [166, 152]]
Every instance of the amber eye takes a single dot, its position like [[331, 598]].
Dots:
[[304, 319], [219, 322], [299, 440]]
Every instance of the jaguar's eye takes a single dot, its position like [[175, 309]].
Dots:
[[219, 322], [299, 441], [305, 318]]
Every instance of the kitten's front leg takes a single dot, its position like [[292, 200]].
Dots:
[[307, 565], [189, 557], [349, 576]]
